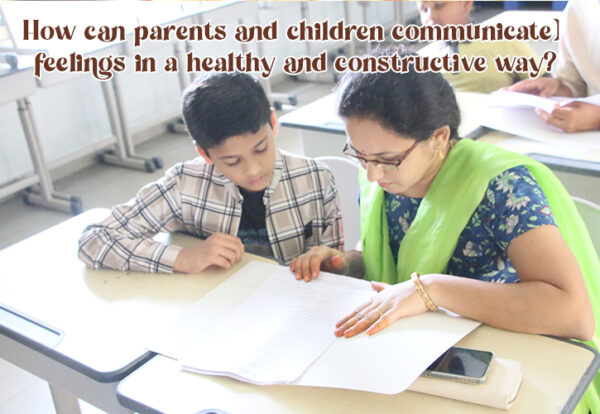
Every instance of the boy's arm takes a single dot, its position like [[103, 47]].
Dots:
[[123, 241]]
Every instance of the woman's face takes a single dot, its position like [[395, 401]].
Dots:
[[368, 139]]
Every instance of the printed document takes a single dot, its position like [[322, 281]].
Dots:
[[278, 332], [263, 326]]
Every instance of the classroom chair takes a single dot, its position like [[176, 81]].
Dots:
[[590, 213], [345, 173]]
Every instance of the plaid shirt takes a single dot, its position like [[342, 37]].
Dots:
[[301, 203]]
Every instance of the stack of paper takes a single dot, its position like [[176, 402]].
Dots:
[[263, 326], [277, 333]]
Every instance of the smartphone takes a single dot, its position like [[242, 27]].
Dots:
[[461, 364]]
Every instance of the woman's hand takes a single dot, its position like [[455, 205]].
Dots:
[[308, 265], [220, 249], [391, 303]]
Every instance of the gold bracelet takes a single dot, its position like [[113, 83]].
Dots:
[[422, 293]]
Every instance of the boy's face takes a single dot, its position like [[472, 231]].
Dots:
[[248, 160], [444, 12]]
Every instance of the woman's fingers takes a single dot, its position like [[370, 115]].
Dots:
[[351, 315], [379, 286], [383, 322], [360, 321]]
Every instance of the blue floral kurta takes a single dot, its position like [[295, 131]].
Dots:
[[513, 204]]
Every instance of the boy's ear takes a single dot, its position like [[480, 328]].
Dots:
[[274, 122], [203, 154]]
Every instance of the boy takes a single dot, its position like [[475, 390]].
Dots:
[[241, 194], [444, 13]]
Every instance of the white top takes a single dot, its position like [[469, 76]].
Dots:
[[578, 64]]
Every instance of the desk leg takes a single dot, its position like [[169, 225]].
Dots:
[[123, 154], [66, 380], [178, 126], [43, 194], [64, 403]]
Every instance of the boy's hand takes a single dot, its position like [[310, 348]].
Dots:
[[308, 265], [219, 249]]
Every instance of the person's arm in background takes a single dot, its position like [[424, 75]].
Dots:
[[575, 117], [567, 81]]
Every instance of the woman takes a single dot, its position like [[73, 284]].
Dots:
[[457, 216]]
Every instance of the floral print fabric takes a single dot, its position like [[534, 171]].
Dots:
[[513, 204]]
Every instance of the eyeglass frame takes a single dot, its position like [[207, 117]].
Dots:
[[389, 165]]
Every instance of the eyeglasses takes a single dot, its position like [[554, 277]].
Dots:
[[382, 165]]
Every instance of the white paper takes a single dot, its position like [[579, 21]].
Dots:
[[509, 99], [277, 333], [387, 362], [528, 146], [173, 339]]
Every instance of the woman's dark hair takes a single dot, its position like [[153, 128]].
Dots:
[[222, 105], [412, 104]]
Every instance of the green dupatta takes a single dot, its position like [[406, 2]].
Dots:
[[453, 196]]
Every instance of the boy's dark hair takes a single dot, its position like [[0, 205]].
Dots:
[[412, 104], [223, 105]]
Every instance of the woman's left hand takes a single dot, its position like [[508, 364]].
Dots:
[[391, 303]]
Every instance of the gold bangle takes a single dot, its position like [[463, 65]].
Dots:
[[422, 293]]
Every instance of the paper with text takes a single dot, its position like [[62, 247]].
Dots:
[[387, 362], [278, 332]]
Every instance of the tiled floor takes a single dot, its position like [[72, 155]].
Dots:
[[101, 186]]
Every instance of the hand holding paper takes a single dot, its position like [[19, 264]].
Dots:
[[544, 87], [575, 117], [515, 113], [568, 114]]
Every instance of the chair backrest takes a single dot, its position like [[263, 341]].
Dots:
[[590, 213], [345, 173]]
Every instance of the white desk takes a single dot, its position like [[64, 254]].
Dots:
[[556, 373], [83, 330]]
